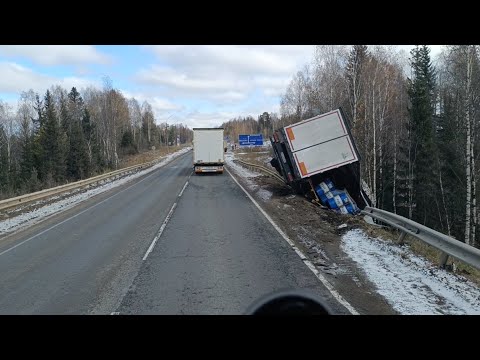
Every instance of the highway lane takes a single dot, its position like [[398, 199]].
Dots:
[[217, 255], [87, 261]]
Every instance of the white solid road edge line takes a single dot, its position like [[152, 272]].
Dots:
[[309, 264]]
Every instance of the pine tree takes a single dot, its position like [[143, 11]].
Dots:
[[65, 116], [40, 120], [38, 154], [77, 162], [422, 146], [53, 143], [404, 173], [74, 96], [77, 157], [127, 143], [26, 148], [450, 166]]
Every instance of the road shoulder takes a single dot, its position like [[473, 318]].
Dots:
[[315, 232]]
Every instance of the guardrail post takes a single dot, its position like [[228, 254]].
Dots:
[[443, 260], [401, 238]]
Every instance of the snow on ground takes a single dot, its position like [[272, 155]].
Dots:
[[240, 170], [34, 216], [409, 283], [264, 194], [246, 174]]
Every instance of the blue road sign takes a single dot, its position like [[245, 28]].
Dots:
[[250, 140]]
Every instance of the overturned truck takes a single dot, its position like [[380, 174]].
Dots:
[[317, 157]]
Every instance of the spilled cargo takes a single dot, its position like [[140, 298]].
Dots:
[[337, 200], [318, 157]]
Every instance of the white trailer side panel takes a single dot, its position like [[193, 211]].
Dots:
[[208, 146], [325, 156], [316, 130]]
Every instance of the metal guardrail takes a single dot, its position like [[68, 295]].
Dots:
[[43, 194], [261, 168], [446, 244]]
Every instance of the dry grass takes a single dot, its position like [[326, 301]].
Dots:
[[259, 156], [147, 156]]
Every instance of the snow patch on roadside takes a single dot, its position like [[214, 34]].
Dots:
[[264, 194], [240, 170], [411, 284], [36, 215], [247, 175]]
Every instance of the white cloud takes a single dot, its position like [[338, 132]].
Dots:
[[225, 81], [163, 104], [229, 97], [162, 107], [166, 110], [79, 83], [56, 54], [197, 118], [16, 78], [272, 86], [190, 82], [250, 59], [225, 74], [206, 119]]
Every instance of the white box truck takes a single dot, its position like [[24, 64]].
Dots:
[[208, 150]]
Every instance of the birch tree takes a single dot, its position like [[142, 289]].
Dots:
[[357, 58], [136, 120], [328, 79], [294, 104], [148, 121], [7, 122]]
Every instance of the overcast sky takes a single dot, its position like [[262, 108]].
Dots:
[[201, 85]]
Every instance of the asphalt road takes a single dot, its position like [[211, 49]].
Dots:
[[216, 254], [86, 264]]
